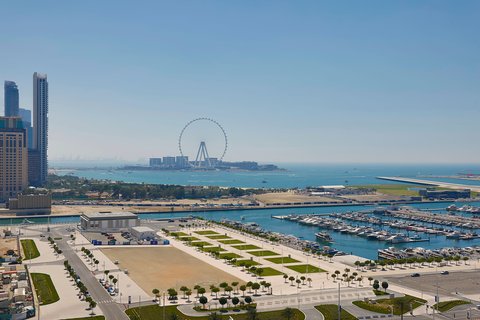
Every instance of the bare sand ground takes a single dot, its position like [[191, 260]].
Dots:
[[290, 197], [8, 244], [166, 267]]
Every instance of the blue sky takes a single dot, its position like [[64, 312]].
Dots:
[[291, 81]]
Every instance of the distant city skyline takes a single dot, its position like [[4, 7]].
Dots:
[[310, 81]]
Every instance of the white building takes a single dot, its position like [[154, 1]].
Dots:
[[143, 233], [108, 221], [40, 124]]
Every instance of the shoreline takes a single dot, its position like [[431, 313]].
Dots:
[[61, 215]]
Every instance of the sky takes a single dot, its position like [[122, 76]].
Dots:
[[289, 81]]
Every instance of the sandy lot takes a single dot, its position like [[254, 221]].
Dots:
[[7, 244], [290, 197], [166, 267]]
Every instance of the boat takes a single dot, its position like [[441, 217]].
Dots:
[[323, 236], [452, 207], [398, 238]]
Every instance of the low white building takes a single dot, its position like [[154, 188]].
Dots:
[[108, 221], [143, 232]]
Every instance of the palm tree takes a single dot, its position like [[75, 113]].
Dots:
[[156, 293], [183, 289], [243, 288], [309, 280], [235, 284], [288, 313], [291, 278]]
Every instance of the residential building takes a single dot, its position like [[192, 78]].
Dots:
[[169, 161], [33, 167], [26, 116], [13, 157], [31, 204], [40, 124], [155, 162], [181, 162], [11, 99]]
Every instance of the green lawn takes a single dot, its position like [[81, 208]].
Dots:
[[305, 268], [383, 305], [212, 249], [45, 288], [246, 247], [201, 243], [231, 241], [30, 250], [263, 253], [189, 239], [248, 262], [205, 232], [88, 318], [330, 312], [281, 260], [155, 312], [220, 236], [268, 272], [229, 255], [393, 189], [178, 234], [447, 305]]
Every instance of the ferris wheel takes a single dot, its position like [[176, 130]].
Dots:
[[198, 132]]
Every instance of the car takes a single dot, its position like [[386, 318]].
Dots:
[[415, 275], [444, 272]]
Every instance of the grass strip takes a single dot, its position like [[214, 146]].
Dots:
[[305, 268], [45, 289], [30, 249], [330, 312], [262, 253]]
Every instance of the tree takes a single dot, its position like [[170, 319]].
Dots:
[[115, 280], [376, 285], [172, 294], [303, 278], [249, 286], [291, 278], [92, 304], [255, 287], [156, 293], [259, 272], [188, 293], [288, 313], [229, 290], [285, 277], [235, 285], [385, 285], [268, 285], [202, 291], [203, 300], [216, 290], [370, 281], [223, 301], [309, 280], [243, 288], [183, 289], [298, 281], [223, 285], [235, 301], [196, 288], [106, 274], [248, 299], [334, 276]]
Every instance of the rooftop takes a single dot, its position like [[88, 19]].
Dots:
[[110, 215]]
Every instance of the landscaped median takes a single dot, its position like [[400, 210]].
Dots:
[[205, 232], [447, 305], [385, 305], [282, 260], [155, 312], [330, 312], [263, 253], [246, 247], [30, 250], [46, 292]]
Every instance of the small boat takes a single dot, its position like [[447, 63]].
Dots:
[[323, 236]]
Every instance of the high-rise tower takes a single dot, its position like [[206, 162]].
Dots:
[[40, 125], [11, 99]]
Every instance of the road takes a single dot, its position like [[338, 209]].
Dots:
[[455, 186], [110, 309]]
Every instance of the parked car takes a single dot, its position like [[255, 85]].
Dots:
[[444, 272], [414, 275]]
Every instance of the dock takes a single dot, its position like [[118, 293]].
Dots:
[[455, 186]]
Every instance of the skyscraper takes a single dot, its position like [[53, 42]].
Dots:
[[11, 99], [13, 157], [40, 124], [26, 116]]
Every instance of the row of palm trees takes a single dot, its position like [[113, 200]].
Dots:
[[90, 256], [412, 261], [297, 280], [54, 245], [81, 286]]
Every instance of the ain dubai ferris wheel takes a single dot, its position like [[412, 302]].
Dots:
[[193, 140]]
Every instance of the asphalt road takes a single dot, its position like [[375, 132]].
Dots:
[[110, 309]]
